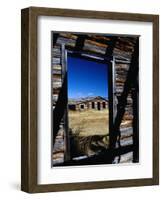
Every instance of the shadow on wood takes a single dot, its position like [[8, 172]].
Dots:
[[60, 108]]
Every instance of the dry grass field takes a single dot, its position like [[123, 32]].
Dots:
[[89, 122]]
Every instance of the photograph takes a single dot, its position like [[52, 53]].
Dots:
[[95, 98], [89, 99]]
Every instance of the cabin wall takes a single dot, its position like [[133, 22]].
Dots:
[[123, 50], [58, 155], [88, 105]]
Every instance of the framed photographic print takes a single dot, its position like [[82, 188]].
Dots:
[[90, 99]]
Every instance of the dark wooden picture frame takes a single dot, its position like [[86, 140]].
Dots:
[[29, 97]]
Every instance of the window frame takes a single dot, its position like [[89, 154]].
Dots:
[[109, 60]]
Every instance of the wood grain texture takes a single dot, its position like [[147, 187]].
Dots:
[[24, 99], [29, 99], [91, 14], [156, 100], [29, 102]]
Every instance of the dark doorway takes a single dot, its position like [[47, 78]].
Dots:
[[82, 106], [72, 107], [103, 105], [98, 106], [93, 105]]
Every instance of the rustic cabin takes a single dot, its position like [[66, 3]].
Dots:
[[121, 52], [95, 103]]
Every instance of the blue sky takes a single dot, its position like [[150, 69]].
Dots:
[[86, 78]]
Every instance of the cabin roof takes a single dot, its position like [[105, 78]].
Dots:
[[86, 99]]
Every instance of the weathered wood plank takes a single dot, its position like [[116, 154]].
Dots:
[[127, 158], [56, 60], [56, 67], [126, 131], [94, 46], [57, 85], [56, 71], [66, 41], [69, 36], [126, 141]]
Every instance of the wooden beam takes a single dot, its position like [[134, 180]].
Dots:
[[110, 47], [131, 78], [55, 37], [135, 98], [80, 43]]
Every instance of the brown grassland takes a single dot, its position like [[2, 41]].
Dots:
[[89, 122]]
